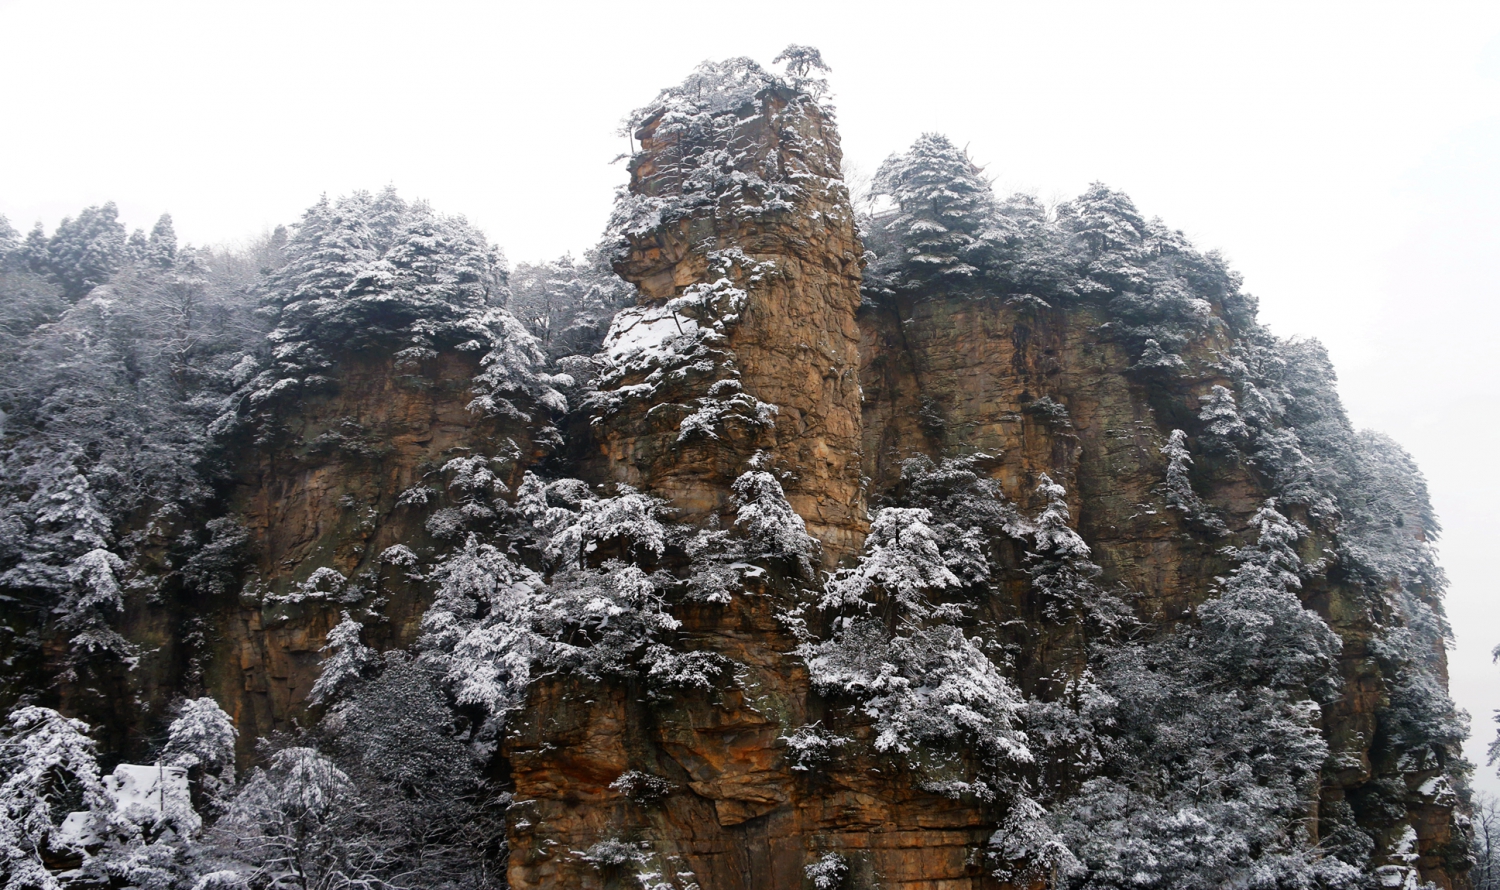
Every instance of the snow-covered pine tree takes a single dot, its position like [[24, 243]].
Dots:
[[1063, 576], [201, 740], [136, 247], [1224, 430], [1105, 222], [161, 247], [1179, 486], [773, 528], [805, 68], [348, 659], [801, 61], [32, 254], [10, 242], [87, 249], [896, 647], [943, 226]]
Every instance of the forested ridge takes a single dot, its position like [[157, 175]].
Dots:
[[1223, 668]]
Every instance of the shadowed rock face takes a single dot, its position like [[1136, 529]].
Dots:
[[324, 491]]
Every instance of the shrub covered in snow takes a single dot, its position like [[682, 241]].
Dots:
[[374, 269]]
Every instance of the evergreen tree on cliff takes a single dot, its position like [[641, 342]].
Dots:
[[32, 255], [10, 241], [940, 229], [366, 267]]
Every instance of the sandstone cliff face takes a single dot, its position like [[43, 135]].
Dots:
[[966, 374], [771, 296], [737, 815], [1044, 393], [324, 490], [938, 377]]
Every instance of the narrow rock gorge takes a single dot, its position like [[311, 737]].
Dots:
[[962, 543]]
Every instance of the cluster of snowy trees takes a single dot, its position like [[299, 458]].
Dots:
[[708, 158], [136, 827], [127, 363], [568, 304], [944, 232], [585, 585], [117, 353], [1486, 825], [375, 270], [397, 801], [87, 250], [555, 579], [1187, 758]]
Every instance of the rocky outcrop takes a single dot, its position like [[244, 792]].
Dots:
[[1034, 390], [731, 811], [1045, 392], [745, 338]]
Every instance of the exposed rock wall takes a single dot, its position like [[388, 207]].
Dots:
[[776, 293], [738, 815], [1043, 392], [963, 374], [939, 377], [322, 489], [1038, 391]]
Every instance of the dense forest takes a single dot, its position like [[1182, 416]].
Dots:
[[1282, 721]]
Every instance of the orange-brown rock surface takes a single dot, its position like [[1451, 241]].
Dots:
[[1039, 392], [322, 490], [786, 332]]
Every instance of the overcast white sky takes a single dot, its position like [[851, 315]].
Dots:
[[1346, 157]]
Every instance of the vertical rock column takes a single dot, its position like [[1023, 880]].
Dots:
[[744, 347]]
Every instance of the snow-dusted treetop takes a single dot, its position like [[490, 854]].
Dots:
[[729, 85]]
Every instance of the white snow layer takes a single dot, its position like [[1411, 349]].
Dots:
[[646, 329]]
